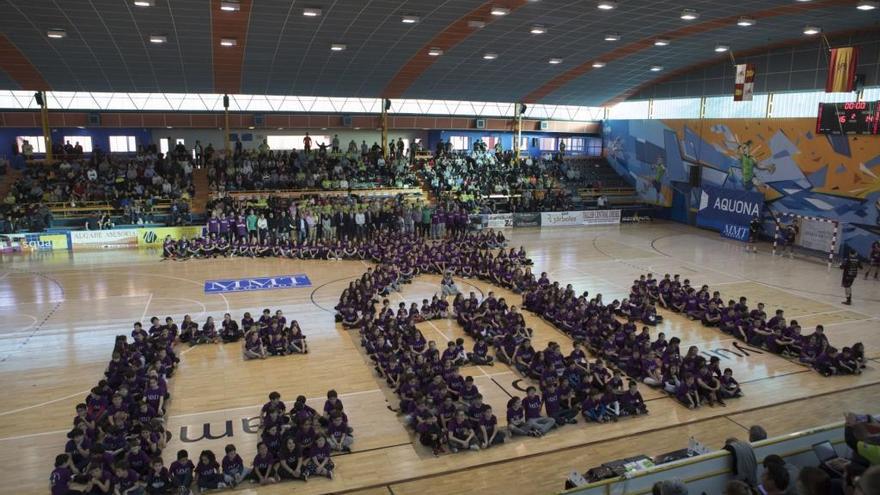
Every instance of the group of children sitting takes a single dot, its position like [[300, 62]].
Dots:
[[751, 326], [295, 444], [118, 433], [270, 335]]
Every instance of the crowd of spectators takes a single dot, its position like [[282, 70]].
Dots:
[[323, 167]]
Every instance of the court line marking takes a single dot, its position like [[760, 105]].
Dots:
[[147, 307], [239, 408], [25, 408]]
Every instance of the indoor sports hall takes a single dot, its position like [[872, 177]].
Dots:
[[521, 246]]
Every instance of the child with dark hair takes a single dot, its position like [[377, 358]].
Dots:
[[234, 469], [230, 331], [182, 471], [158, 480], [319, 459], [263, 470], [207, 472]]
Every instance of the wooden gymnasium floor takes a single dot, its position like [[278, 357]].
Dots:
[[60, 311]]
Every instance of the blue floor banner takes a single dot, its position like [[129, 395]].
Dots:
[[729, 211], [257, 283]]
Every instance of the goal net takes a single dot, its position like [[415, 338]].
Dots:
[[816, 236]]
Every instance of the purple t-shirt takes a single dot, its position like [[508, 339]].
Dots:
[[59, 479], [532, 405]]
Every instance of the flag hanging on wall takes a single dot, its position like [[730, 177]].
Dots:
[[745, 82], [842, 69]]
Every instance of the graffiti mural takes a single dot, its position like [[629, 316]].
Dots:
[[797, 170]]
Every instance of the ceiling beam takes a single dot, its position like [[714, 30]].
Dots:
[[454, 34], [19, 68], [683, 32], [228, 60]]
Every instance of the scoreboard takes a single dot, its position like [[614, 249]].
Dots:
[[854, 117]]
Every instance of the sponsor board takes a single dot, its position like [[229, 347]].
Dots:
[[96, 239], [155, 236], [32, 241], [499, 221], [723, 209], [736, 232], [601, 217], [526, 219], [560, 218], [586, 217], [257, 283]]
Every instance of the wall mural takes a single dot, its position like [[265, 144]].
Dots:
[[797, 170]]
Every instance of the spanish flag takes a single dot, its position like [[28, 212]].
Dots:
[[842, 69]]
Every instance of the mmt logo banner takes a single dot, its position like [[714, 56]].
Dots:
[[257, 283]]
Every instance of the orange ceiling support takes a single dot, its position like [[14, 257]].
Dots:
[[19, 68], [454, 34], [227, 60], [690, 29]]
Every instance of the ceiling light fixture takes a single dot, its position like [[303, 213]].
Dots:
[[606, 5], [311, 12], [475, 24], [499, 11], [228, 42], [144, 3], [689, 14], [598, 65], [656, 68], [56, 33], [554, 61], [866, 5], [435, 52], [230, 5], [338, 47], [158, 38], [612, 37], [721, 48], [490, 56], [812, 30], [538, 29], [745, 21], [410, 19], [661, 42]]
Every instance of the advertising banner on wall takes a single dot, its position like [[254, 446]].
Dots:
[[32, 241], [97, 239], [155, 236], [499, 221], [729, 211], [601, 217], [526, 219], [561, 218], [586, 217]]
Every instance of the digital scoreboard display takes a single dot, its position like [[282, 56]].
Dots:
[[854, 117]]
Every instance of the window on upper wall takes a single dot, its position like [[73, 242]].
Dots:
[[459, 142], [490, 142], [35, 141], [573, 145], [123, 144], [163, 146], [523, 143], [547, 144], [84, 141]]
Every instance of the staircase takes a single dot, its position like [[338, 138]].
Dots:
[[203, 191]]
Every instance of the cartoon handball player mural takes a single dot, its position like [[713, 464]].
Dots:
[[749, 162]]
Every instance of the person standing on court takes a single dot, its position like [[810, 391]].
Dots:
[[850, 267]]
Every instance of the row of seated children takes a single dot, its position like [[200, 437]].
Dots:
[[214, 245], [401, 257], [270, 335], [751, 326], [120, 429], [596, 325]]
